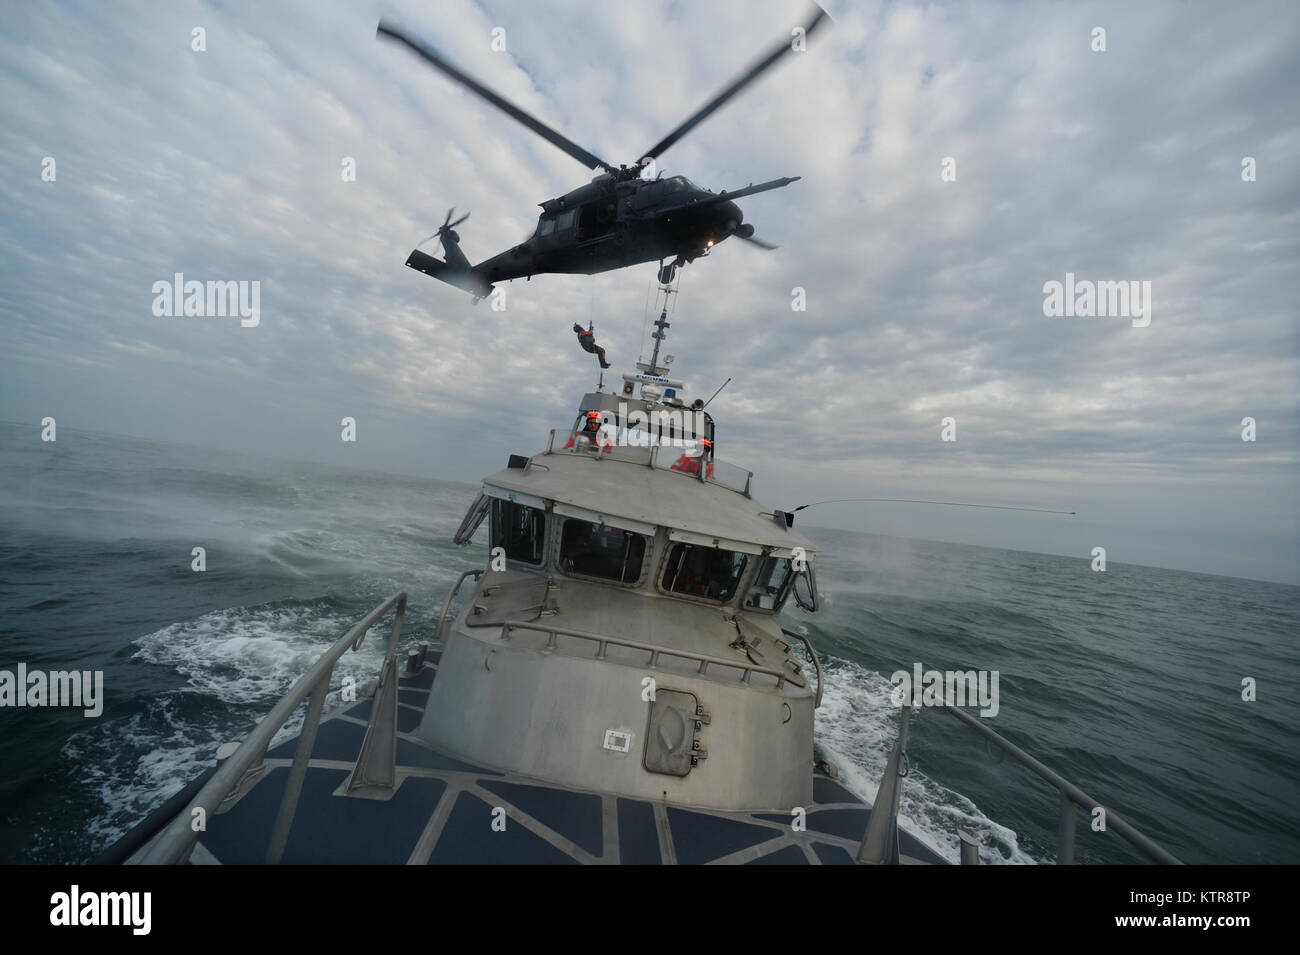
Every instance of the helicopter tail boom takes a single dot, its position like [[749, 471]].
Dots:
[[462, 278]]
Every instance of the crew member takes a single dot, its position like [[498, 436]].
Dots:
[[592, 429], [690, 461], [587, 339]]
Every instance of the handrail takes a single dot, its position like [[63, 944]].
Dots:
[[651, 460], [816, 663], [177, 840], [446, 604], [604, 642], [880, 843], [1071, 795]]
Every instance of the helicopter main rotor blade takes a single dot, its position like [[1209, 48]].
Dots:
[[431, 56], [753, 240], [756, 69]]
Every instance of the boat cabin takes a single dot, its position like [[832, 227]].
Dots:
[[625, 633]]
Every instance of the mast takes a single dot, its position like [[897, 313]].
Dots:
[[659, 335]]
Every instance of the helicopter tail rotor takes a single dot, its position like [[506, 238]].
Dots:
[[447, 231], [456, 269], [449, 239]]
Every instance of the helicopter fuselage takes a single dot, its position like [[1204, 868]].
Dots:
[[609, 223], [618, 219]]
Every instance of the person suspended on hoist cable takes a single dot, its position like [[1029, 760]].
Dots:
[[587, 339]]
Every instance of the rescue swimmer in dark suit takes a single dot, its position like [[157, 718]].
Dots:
[[587, 339]]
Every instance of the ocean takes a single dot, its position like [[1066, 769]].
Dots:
[[1128, 682]]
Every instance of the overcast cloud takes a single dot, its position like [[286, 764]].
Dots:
[[924, 297]]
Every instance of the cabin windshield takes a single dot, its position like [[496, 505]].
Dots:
[[707, 572], [768, 591], [518, 529], [597, 550]]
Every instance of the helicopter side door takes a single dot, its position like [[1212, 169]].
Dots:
[[598, 217]]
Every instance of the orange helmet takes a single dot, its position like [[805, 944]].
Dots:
[[705, 444]]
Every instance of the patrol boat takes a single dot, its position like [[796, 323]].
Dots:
[[616, 687]]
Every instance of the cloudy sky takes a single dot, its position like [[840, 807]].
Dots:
[[924, 296]]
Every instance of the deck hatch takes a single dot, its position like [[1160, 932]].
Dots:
[[671, 747], [495, 604]]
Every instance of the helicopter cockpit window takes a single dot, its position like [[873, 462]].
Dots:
[[519, 529], [768, 591], [676, 184], [564, 221], [597, 550], [707, 572], [545, 225]]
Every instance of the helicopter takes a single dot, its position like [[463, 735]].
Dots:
[[622, 217]]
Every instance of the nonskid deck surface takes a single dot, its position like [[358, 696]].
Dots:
[[447, 811]]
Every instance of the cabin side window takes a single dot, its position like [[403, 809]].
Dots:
[[597, 550], [706, 572], [518, 529], [770, 586]]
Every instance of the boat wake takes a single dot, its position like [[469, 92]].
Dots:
[[856, 727], [234, 665]]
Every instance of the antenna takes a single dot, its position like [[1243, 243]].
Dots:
[[660, 333], [718, 392], [899, 500]]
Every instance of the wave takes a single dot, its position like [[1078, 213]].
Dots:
[[856, 727]]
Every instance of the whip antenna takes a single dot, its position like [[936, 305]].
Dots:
[[718, 392], [900, 500]]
